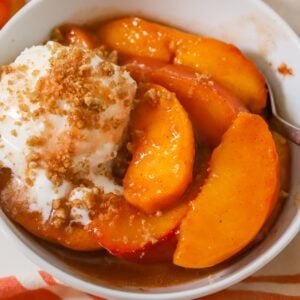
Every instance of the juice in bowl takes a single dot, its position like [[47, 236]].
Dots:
[[140, 157]]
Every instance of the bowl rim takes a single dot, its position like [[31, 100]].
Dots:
[[88, 287], [7, 228]]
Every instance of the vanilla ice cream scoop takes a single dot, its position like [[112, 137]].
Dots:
[[64, 111]]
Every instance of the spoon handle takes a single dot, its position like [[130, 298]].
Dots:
[[289, 131]]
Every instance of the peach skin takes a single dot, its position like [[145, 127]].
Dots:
[[236, 199], [162, 251], [128, 232], [163, 148]]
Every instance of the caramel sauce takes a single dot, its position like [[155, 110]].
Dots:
[[112, 271], [285, 70]]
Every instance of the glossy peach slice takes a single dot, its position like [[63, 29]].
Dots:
[[74, 35], [8, 8], [236, 199], [14, 202], [211, 107], [137, 37], [163, 151], [15, 5], [128, 232], [4, 12], [227, 65], [223, 62]]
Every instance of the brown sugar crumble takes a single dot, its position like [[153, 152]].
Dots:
[[64, 210], [73, 79], [6, 70], [285, 70], [59, 216], [152, 96], [34, 141], [14, 133]]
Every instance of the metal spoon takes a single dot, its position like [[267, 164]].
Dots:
[[285, 128]]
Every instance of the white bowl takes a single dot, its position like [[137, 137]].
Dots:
[[249, 24]]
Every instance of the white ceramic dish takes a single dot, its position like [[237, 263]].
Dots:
[[249, 24]]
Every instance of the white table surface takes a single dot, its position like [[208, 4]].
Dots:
[[13, 262]]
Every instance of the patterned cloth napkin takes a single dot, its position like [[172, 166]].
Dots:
[[280, 280]]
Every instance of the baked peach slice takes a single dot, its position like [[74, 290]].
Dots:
[[15, 5], [74, 35], [236, 199], [223, 62], [211, 107], [14, 202], [137, 37], [4, 12], [131, 233], [8, 8], [163, 150], [228, 66]]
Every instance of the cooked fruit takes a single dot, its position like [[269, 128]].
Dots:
[[14, 202], [223, 62], [15, 5], [161, 251], [126, 231], [211, 107], [163, 151], [8, 8], [164, 249], [74, 35], [4, 12], [236, 198], [137, 37], [228, 66]]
